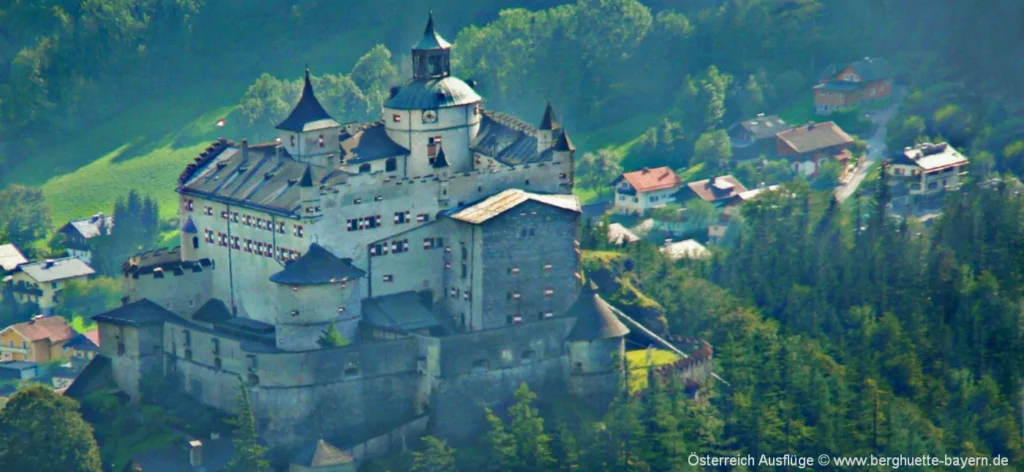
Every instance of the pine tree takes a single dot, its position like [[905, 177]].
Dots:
[[436, 457], [501, 444], [533, 444], [41, 430], [249, 451]]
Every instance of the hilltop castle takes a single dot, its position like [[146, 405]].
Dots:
[[441, 241]]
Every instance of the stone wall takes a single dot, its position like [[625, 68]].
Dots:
[[418, 268], [596, 370], [392, 442], [307, 310], [181, 294], [133, 352]]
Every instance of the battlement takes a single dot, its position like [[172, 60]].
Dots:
[[160, 263], [383, 179], [211, 152]]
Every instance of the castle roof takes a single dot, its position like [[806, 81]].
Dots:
[[564, 143], [402, 311], [321, 454], [163, 261], [308, 114], [508, 140], [139, 313], [549, 121], [213, 311], [432, 93], [595, 319], [369, 142], [440, 161], [189, 227], [88, 341], [430, 39], [482, 211], [317, 267], [307, 177]]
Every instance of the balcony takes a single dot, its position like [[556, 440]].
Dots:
[[14, 350]]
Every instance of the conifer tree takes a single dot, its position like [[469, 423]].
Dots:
[[437, 456], [500, 444], [526, 426], [249, 451]]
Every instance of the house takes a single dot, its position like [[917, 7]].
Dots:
[[927, 169], [40, 339], [846, 87], [639, 191], [756, 136], [718, 191], [78, 233], [620, 235], [18, 370], [10, 258], [42, 282], [82, 348], [810, 146], [732, 213], [687, 249]]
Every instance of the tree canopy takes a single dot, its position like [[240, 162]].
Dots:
[[43, 430]]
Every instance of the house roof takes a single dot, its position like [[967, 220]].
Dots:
[[139, 313], [88, 341], [430, 39], [717, 188], [402, 311], [931, 157], [52, 328], [321, 454], [764, 126], [839, 86], [317, 266], [618, 234], [508, 140], [869, 69], [482, 211], [18, 365], [11, 257], [750, 194], [649, 180], [433, 93], [90, 227], [308, 114], [688, 249], [549, 121], [61, 269], [369, 142], [814, 137], [595, 319]]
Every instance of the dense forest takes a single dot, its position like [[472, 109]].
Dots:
[[841, 329]]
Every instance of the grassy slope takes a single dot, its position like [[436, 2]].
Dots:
[[638, 365]]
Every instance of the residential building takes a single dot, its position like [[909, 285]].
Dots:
[[10, 258], [686, 249], [40, 339], [755, 137], [620, 235], [79, 233], [718, 190], [41, 282], [927, 169], [848, 86], [809, 147], [82, 348], [18, 370], [731, 213], [639, 191]]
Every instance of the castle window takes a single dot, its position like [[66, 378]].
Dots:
[[224, 214], [547, 267], [376, 249], [321, 140], [391, 165], [388, 278], [422, 217], [454, 293], [364, 168], [439, 242], [341, 309], [216, 346], [428, 243], [294, 313], [208, 211], [120, 346], [234, 217], [514, 270], [479, 365], [527, 182], [188, 338], [248, 245], [528, 355], [217, 363], [357, 201], [465, 253], [351, 372], [548, 314], [280, 228], [433, 144], [297, 231], [195, 242], [295, 288], [378, 198], [517, 318], [465, 295], [549, 292], [514, 296], [189, 205], [401, 217], [295, 255], [479, 188], [247, 220], [531, 232], [396, 118], [352, 224], [208, 236], [562, 176], [465, 271], [292, 139], [236, 242]]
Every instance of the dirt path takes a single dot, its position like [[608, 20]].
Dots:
[[876, 146]]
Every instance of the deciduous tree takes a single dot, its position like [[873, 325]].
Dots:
[[41, 429]]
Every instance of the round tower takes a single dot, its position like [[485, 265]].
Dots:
[[596, 348], [432, 108], [189, 241]]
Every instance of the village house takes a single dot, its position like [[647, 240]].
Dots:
[[686, 249], [755, 137], [40, 339], [82, 348], [639, 191], [846, 87], [42, 282], [78, 233], [731, 213], [718, 191], [809, 147], [620, 235], [926, 169], [10, 258], [13, 371]]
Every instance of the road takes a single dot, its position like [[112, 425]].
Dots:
[[876, 147]]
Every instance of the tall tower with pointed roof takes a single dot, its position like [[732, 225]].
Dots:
[[431, 56], [309, 134], [549, 127]]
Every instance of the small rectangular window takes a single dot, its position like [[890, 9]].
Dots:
[[400, 217], [428, 243], [549, 292], [516, 296], [378, 198], [422, 217], [396, 118], [514, 270], [388, 278], [547, 267], [357, 201]]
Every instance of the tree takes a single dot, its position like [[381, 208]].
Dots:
[[43, 430], [373, 74], [533, 444], [436, 457], [24, 216], [136, 226], [500, 444], [714, 150], [249, 451], [699, 212], [90, 297], [331, 337], [268, 101], [597, 170]]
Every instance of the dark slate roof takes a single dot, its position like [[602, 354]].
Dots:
[[18, 365], [764, 126], [426, 94], [430, 39], [316, 267], [217, 453], [82, 343], [167, 261], [189, 227], [508, 140], [67, 268], [321, 454], [549, 122], [97, 375], [307, 177], [90, 227], [815, 136], [369, 142], [260, 180], [594, 317], [214, 311], [872, 68], [440, 161], [308, 114], [140, 313], [400, 312], [564, 143]]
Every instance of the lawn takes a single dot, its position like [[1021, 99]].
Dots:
[[638, 365], [799, 111], [610, 136]]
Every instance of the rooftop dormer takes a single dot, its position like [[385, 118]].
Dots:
[[309, 134]]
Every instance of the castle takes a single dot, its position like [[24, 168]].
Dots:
[[440, 241]]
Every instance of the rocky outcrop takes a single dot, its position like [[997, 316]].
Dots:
[[621, 288]]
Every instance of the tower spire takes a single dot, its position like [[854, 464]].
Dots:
[[550, 121]]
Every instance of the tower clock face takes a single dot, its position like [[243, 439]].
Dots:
[[430, 116]]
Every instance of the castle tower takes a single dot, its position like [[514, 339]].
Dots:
[[309, 195], [565, 152], [596, 348], [549, 126], [309, 134], [433, 107], [189, 241]]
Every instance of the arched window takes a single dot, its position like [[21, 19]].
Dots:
[[391, 165], [364, 168], [195, 242]]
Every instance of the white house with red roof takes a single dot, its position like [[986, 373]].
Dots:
[[639, 191]]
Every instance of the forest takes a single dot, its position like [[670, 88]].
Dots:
[[841, 328]]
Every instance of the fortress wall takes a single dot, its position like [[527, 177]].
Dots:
[[596, 370], [307, 310], [417, 269], [192, 361], [466, 386], [527, 238], [181, 294], [142, 351]]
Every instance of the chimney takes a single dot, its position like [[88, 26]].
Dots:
[[49, 263], [195, 453], [712, 180], [645, 170], [760, 115], [245, 149]]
